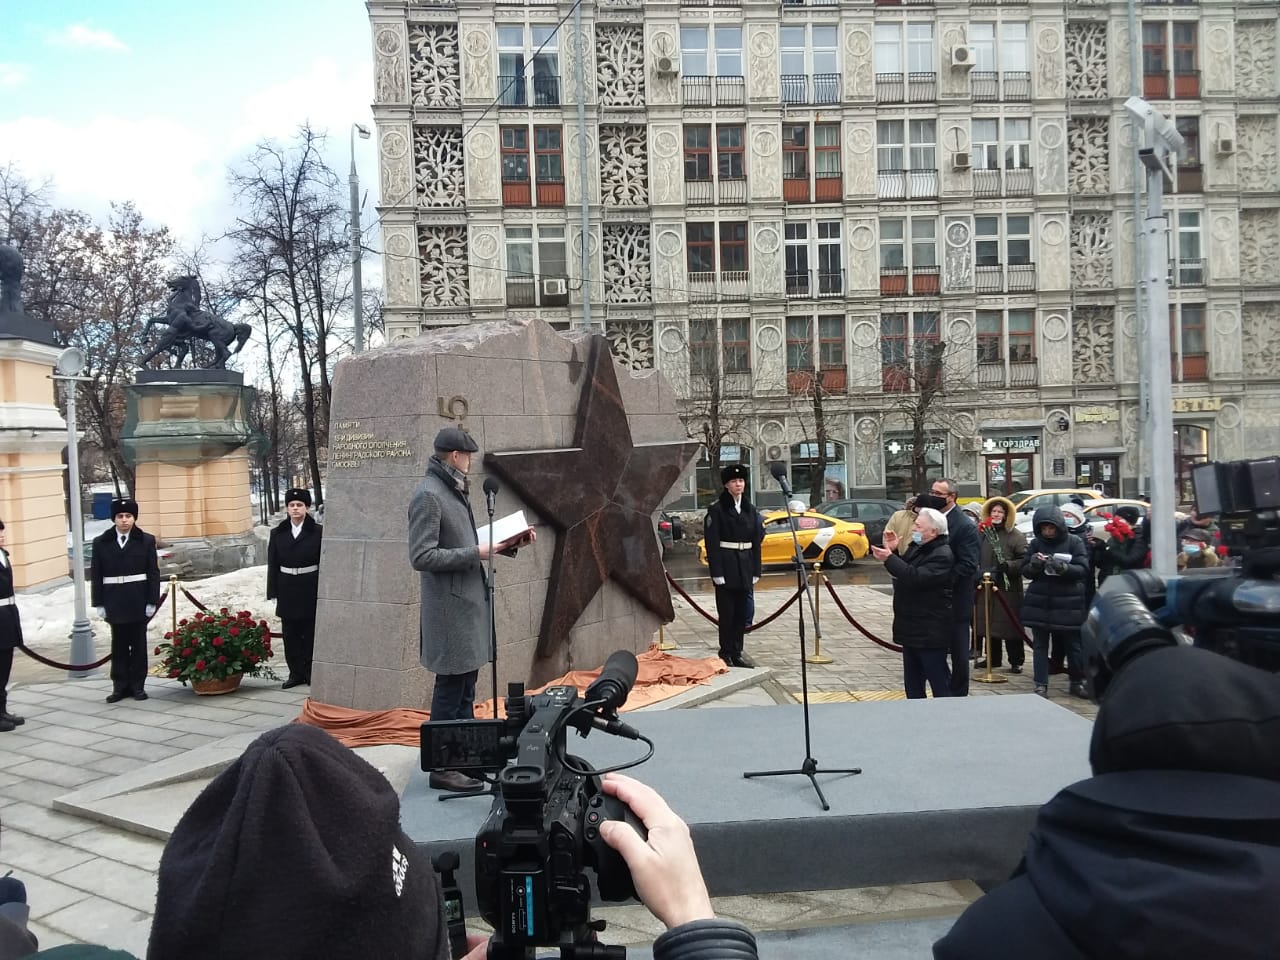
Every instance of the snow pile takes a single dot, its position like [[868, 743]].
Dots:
[[47, 617]]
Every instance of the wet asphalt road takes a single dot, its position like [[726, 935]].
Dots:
[[682, 563]]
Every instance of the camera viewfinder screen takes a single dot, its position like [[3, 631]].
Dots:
[[462, 745]]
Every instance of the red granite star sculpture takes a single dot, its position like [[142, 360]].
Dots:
[[600, 495]]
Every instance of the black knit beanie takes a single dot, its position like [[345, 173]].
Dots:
[[296, 851]]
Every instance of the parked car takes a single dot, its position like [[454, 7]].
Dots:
[[1029, 501], [832, 542], [1096, 515], [670, 530], [872, 514]]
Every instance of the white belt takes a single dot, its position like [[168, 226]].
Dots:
[[724, 545], [8, 601], [132, 578], [298, 571]]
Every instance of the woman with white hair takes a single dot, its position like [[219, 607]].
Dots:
[[922, 619]]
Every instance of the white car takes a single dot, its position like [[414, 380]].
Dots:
[[1096, 515]]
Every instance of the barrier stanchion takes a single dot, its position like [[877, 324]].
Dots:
[[817, 656], [662, 640], [173, 603], [986, 588]]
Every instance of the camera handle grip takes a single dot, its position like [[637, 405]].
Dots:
[[613, 876]]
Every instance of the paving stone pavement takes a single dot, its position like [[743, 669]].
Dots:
[[89, 882]]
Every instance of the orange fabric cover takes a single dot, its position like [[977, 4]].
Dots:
[[659, 676]]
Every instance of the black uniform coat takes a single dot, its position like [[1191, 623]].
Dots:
[[922, 601], [962, 538], [294, 594], [1055, 601], [723, 523], [10, 623], [125, 602]]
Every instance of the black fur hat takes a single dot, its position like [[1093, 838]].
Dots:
[[295, 851], [298, 494], [734, 471], [124, 505]]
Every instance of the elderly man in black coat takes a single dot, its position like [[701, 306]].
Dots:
[[10, 633], [922, 602], [293, 582], [125, 591], [962, 537], [733, 532]]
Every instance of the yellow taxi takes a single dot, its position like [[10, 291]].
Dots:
[[826, 540]]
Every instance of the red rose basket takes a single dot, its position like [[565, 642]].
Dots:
[[216, 650]]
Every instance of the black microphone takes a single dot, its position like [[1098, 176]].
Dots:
[[615, 680], [491, 487], [779, 471]]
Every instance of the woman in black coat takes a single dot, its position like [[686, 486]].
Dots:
[[1055, 599], [293, 582], [922, 614]]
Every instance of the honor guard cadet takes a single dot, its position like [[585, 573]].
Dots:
[[125, 592], [10, 632], [733, 532], [293, 580]]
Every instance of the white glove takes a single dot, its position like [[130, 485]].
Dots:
[[151, 610], [754, 581], [101, 612], [718, 581]]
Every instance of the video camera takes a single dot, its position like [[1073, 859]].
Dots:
[[1232, 612], [543, 829]]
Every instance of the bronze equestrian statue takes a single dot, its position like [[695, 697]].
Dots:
[[187, 321]]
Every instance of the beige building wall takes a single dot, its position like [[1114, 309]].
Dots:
[[204, 500]]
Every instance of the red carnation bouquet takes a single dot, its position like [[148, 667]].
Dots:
[[214, 646], [1119, 528]]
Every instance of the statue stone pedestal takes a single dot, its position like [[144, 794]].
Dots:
[[33, 436], [188, 435]]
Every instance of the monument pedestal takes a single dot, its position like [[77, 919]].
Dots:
[[190, 443], [33, 436]]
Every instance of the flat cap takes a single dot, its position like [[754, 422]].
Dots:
[[455, 438]]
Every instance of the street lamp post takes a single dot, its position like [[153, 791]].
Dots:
[[357, 287], [70, 363], [1161, 142]]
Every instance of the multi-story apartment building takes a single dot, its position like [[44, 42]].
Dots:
[[873, 198]]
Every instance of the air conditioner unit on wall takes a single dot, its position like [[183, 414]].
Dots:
[[666, 65], [555, 287], [960, 161], [1226, 147], [962, 57], [773, 453]]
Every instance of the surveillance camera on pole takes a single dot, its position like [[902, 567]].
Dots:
[[1160, 142]]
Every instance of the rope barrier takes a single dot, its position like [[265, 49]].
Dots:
[[713, 619], [82, 668], [1013, 617], [888, 645]]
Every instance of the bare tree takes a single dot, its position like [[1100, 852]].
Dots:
[[927, 390], [22, 204], [292, 249]]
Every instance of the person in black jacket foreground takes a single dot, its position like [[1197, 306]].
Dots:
[[923, 624], [1172, 848]]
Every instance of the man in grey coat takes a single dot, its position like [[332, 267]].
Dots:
[[454, 619]]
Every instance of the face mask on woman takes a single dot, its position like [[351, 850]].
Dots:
[[1190, 549]]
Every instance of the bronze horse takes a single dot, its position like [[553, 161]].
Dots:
[[187, 321]]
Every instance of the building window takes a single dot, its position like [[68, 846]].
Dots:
[[1190, 351], [711, 65], [1003, 260], [830, 354], [730, 154], [537, 272], [910, 351], [717, 260], [700, 248], [708, 473], [737, 345], [903, 478], [802, 280], [1002, 166], [825, 184], [1006, 348], [795, 162], [905, 66], [810, 64], [1186, 259], [733, 247], [831, 342], [1022, 336], [1001, 62], [917, 178], [990, 336], [699, 163], [693, 51], [804, 470], [1186, 63], [917, 274], [799, 349], [1190, 177], [528, 66], [1157, 40], [697, 153], [516, 191], [1190, 448]]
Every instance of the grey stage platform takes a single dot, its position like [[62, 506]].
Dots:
[[886, 940], [948, 790]]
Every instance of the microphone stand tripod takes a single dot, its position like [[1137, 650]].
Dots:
[[809, 766], [492, 787]]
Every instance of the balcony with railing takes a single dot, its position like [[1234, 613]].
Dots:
[[920, 281], [1015, 85], [816, 89], [698, 91], [1187, 273], [725, 191], [710, 3], [700, 193], [814, 284], [1186, 84], [1014, 375], [984, 86], [550, 191], [891, 88], [795, 189], [517, 192], [907, 184], [922, 87], [516, 90], [1002, 278], [1020, 277], [1012, 182], [708, 286], [988, 278], [1190, 177], [905, 3], [828, 188], [522, 291], [833, 379]]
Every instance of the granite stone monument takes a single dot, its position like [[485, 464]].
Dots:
[[586, 448]]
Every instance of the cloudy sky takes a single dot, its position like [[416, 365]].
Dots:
[[150, 102]]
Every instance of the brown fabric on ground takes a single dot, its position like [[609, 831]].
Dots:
[[659, 677]]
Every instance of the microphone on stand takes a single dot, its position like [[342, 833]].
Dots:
[[491, 488], [779, 471]]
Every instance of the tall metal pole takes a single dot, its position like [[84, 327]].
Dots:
[[357, 306], [1160, 419], [1142, 467], [81, 632], [584, 175]]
